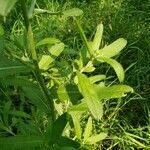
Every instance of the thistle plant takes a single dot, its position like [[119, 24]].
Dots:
[[59, 101]]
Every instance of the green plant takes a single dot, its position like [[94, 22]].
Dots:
[[60, 97]]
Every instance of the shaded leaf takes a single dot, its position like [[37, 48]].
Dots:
[[10, 67], [21, 142], [19, 82], [69, 92], [19, 114], [36, 97], [58, 127], [67, 148], [64, 141]]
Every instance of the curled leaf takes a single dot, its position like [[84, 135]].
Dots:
[[116, 66]]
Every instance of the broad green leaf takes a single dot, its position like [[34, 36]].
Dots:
[[63, 94], [47, 41], [116, 66], [69, 92], [73, 12], [115, 91], [19, 82], [96, 138], [97, 78], [91, 98], [58, 127], [11, 67], [89, 69], [56, 49], [76, 121], [64, 141], [45, 61], [112, 49], [88, 129], [80, 107], [11, 70], [21, 142], [6, 6], [97, 38], [37, 98]]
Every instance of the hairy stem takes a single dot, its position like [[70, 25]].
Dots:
[[37, 72]]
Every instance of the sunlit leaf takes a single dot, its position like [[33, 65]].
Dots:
[[90, 96], [97, 38], [45, 61], [73, 12], [89, 69], [57, 49], [6, 6], [80, 107], [68, 92], [96, 138], [116, 66], [47, 41], [88, 129], [76, 121], [112, 49], [115, 91], [97, 78]]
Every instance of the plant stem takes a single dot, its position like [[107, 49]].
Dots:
[[37, 71], [81, 32]]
